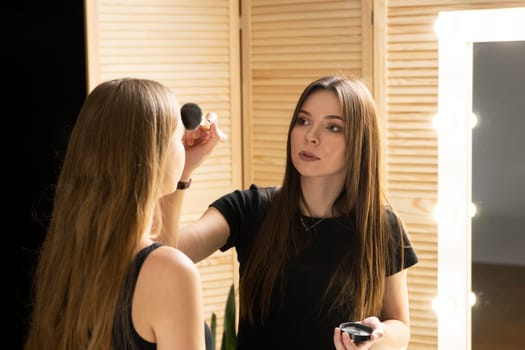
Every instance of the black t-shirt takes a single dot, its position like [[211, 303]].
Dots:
[[299, 322]]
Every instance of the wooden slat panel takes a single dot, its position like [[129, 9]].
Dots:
[[286, 44]]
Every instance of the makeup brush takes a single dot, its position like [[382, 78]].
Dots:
[[192, 118]]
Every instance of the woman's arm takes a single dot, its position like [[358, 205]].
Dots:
[[199, 144], [392, 329], [203, 237], [395, 314], [171, 206]]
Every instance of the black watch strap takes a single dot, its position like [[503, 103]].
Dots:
[[182, 185]]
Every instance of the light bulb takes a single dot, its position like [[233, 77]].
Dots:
[[473, 120], [472, 209]]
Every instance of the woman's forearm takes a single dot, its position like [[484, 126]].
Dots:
[[171, 206], [396, 336]]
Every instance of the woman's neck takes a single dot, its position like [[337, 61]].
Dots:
[[319, 196]]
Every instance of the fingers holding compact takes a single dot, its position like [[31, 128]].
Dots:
[[343, 340]]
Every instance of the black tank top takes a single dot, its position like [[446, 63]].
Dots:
[[137, 342]]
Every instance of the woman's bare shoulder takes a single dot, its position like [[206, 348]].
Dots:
[[170, 262]]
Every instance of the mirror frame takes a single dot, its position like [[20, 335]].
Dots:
[[457, 31]]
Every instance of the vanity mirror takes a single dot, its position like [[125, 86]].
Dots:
[[458, 31]]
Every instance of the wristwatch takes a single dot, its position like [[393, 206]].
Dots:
[[182, 185]]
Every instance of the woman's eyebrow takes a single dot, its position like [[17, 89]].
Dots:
[[302, 111], [332, 116]]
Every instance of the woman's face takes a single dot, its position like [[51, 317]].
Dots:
[[175, 161], [317, 140]]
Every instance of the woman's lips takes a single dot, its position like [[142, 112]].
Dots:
[[308, 157]]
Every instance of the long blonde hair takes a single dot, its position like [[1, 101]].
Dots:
[[105, 200], [360, 276]]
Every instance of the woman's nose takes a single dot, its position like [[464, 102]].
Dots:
[[312, 136]]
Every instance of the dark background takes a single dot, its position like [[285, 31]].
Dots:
[[44, 46]]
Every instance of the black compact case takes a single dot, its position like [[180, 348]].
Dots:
[[357, 331]]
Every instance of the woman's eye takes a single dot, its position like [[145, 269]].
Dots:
[[335, 128], [302, 121]]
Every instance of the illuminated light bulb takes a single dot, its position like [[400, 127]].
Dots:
[[436, 214], [443, 306], [472, 299], [437, 305], [472, 209], [444, 122], [442, 214], [436, 122], [473, 120]]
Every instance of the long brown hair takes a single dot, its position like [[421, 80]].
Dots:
[[362, 197], [106, 198]]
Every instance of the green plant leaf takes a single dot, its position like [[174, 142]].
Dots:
[[213, 329], [229, 337]]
